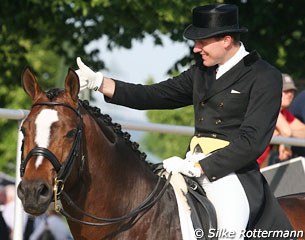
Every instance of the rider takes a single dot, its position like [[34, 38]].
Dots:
[[236, 97]]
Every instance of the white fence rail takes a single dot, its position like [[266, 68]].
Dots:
[[20, 114]]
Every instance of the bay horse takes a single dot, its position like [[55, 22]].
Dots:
[[73, 153], [294, 207], [72, 149]]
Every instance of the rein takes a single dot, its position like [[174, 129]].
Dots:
[[149, 202], [64, 170]]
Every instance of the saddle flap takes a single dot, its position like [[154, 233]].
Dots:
[[203, 213]]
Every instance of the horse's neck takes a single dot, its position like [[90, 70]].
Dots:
[[113, 169], [114, 183]]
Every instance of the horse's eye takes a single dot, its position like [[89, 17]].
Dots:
[[71, 133]]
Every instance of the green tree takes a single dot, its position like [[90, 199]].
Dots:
[[49, 35], [276, 31], [167, 145]]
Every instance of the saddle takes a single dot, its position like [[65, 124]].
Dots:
[[203, 213]]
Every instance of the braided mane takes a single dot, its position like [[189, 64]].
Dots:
[[105, 119], [117, 128]]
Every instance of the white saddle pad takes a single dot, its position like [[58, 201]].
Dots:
[[180, 188]]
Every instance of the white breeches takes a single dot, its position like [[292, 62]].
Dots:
[[230, 202]]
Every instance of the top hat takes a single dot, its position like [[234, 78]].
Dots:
[[212, 20]]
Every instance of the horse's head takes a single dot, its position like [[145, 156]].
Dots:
[[52, 135]]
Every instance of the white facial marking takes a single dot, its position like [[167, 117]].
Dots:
[[43, 122]]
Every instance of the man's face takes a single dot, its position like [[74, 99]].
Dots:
[[212, 51], [287, 97]]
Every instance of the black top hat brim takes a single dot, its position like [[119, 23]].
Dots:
[[196, 33]]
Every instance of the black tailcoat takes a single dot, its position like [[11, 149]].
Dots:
[[241, 107]]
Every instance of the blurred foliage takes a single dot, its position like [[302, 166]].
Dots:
[[48, 35], [167, 145], [276, 31]]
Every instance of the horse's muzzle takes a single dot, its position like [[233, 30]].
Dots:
[[36, 196]]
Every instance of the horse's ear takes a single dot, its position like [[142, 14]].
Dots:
[[72, 84], [30, 84]]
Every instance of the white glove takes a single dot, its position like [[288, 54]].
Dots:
[[194, 157], [178, 165], [88, 78]]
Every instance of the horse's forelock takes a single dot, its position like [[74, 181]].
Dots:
[[53, 93]]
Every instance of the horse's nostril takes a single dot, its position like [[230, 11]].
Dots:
[[43, 190]]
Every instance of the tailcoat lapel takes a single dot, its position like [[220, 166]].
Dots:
[[232, 76]]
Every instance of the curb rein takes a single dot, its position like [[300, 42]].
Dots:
[[63, 171]]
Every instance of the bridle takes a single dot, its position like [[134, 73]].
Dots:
[[63, 171]]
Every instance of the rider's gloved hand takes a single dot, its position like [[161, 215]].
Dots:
[[88, 78], [186, 167], [194, 157]]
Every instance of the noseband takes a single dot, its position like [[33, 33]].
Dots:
[[62, 170]]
